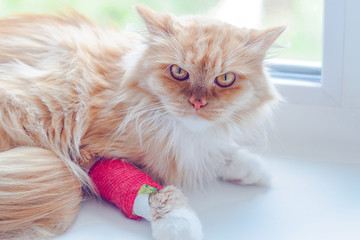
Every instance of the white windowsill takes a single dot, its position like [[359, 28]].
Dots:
[[303, 92], [307, 200]]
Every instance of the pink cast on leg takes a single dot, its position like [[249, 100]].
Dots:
[[119, 182]]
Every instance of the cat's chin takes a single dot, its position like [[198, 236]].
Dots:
[[195, 123]]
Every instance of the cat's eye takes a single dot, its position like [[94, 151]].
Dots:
[[225, 80], [178, 73]]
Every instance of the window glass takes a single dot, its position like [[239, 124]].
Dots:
[[303, 18], [105, 11]]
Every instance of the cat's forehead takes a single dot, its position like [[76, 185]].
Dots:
[[200, 31], [207, 44]]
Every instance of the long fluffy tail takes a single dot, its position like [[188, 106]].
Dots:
[[39, 197]]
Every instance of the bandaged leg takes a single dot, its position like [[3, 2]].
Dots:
[[124, 185], [137, 195]]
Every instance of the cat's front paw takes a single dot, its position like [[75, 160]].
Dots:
[[178, 224], [172, 219], [246, 168]]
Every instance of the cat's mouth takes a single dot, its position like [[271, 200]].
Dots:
[[195, 123]]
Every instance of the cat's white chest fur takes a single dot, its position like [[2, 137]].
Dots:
[[200, 149], [194, 123]]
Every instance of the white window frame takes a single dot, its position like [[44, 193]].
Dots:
[[338, 86], [321, 121]]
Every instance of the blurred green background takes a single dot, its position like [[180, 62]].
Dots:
[[303, 17], [304, 20]]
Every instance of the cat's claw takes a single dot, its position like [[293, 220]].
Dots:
[[246, 168]]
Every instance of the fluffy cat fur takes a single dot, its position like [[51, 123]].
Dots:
[[72, 91]]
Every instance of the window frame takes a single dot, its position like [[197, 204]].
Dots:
[[328, 91]]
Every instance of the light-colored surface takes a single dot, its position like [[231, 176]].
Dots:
[[308, 200], [316, 132]]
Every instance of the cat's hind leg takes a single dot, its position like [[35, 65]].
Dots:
[[244, 167], [39, 197]]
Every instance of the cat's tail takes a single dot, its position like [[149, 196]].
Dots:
[[39, 196]]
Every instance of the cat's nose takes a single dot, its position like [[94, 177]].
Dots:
[[197, 102]]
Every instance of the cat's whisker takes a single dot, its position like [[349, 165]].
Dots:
[[182, 51], [108, 121], [251, 128], [134, 123]]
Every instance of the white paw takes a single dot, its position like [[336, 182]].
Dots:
[[246, 168], [178, 224]]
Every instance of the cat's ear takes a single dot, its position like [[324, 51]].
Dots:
[[263, 39], [156, 23]]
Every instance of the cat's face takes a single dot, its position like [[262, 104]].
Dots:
[[206, 71]]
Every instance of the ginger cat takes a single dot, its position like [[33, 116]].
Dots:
[[173, 102]]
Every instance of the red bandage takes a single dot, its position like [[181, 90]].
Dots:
[[119, 182]]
